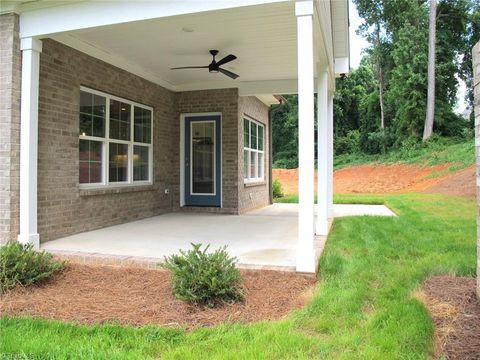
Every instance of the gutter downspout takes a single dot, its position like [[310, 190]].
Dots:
[[273, 109]]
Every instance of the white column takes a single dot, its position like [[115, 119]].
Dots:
[[306, 160], [321, 227], [330, 156], [31, 49]]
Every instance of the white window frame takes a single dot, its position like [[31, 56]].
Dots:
[[131, 143], [256, 178]]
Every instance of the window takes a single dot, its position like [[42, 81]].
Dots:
[[253, 152], [115, 146]]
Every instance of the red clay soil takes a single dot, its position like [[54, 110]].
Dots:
[[395, 178], [97, 294], [462, 183], [455, 310]]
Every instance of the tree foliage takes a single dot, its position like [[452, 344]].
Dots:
[[392, 79]]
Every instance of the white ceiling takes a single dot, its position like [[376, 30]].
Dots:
[[262, 37]]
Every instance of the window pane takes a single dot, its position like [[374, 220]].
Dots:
[[260, 165], [90, 156], [92, 114], [142, 125], [260, 137], [119, 120], [253, 164], [246, 154], [253, 131], [118, 162], [246, 133], [99, 105], [140, 163]]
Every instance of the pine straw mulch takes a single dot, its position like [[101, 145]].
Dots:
[[455, 309], [134, 296]]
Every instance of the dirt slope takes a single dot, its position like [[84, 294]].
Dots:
[[395, 178]]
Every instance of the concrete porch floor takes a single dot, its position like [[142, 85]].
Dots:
[[263, 238]]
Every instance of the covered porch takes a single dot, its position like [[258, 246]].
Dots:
[[260, 239], [283, 47]]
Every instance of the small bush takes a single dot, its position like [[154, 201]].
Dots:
[[21, 265], [349, 144], [205, 278], [277, 189]]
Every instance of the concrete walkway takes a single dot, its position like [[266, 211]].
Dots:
[[262, 238]]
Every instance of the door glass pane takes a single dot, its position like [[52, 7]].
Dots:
[[203, 157], [118, 162]]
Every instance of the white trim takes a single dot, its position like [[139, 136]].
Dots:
[[183, 117], [214, 158], [29, 142], [106, 141], [256, 179], [321, 227], [306, 226]]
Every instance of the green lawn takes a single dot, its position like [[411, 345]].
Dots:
[[362, 309]]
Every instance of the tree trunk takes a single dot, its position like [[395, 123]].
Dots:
[[380, 78], [428, 129]]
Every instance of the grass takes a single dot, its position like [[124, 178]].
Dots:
[[440, 151], [362, 309]]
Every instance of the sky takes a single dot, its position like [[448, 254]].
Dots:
[[358, 43]]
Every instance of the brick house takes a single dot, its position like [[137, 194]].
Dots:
[[97, 130]]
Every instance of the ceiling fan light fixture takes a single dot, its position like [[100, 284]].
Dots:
[[214, 66]]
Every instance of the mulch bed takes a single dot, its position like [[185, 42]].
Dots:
[[456, 312], [97, 294]]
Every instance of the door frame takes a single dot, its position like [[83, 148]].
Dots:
[[182, 153]]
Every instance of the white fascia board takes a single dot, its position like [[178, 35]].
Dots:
[[44, 22], [246, 88]]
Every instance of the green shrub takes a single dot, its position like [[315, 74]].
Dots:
[[277, 189], [349, 144], [21, 265], [205, 278]]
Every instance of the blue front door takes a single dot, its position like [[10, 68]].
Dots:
[[203, 173]]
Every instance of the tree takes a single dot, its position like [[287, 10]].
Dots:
[[432, 34]]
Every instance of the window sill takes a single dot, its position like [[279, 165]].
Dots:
[[107, 190], [254, 183]]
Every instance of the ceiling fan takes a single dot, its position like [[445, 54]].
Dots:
[[214, 66]]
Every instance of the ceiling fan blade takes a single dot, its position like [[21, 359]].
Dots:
[[228, 73], [226, 59], [189, 67]]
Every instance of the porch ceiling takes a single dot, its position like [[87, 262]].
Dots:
[[263, 38]]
